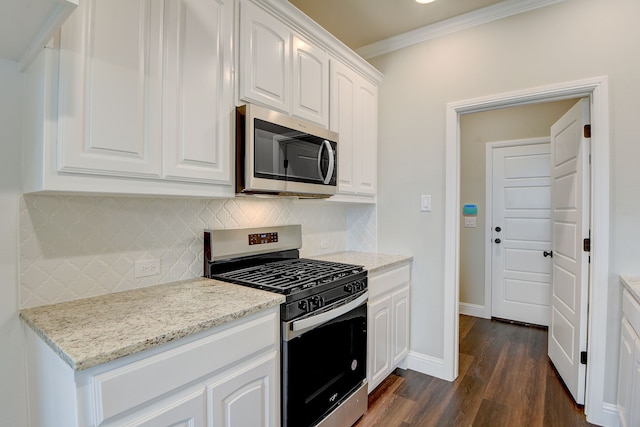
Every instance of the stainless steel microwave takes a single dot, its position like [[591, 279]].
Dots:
[[279, 154]]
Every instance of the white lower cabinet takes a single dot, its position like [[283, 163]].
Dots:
[[243, 398], [388, 323], [186, 411], [629, 366], [228, 376]]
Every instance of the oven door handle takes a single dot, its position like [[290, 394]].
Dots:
[[297, 326]]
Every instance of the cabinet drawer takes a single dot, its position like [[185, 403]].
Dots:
[[124, 388], [385, 282]]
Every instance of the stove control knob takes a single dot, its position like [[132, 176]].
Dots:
[[348, 288], [303, 305], [315, 302]]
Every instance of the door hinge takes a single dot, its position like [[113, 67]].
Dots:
[[583, 357], [587, 131], [586, 243]]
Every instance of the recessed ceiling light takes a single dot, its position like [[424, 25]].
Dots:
[[424, 1]]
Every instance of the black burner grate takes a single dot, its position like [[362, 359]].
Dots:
[[286, 276]]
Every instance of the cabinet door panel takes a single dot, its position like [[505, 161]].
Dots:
[[198, 111], [188, 411], [265, 55], [354, 115], [110, 89], [311, 82], [625, 369], [634, 400], [367, 136], [246, 395], [379, 340], [400, 345], [343, 93]]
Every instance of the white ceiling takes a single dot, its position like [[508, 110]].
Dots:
[[359, 23]]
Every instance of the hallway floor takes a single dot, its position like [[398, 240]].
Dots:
[[505, 379]]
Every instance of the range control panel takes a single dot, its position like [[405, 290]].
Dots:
[[262, 238]]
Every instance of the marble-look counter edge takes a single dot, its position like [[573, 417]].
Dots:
[[92, 331], [632, 283], [373, 262]]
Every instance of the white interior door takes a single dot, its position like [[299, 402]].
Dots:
[[570, 197], [520, 233]]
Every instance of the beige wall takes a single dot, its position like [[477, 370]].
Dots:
[[476, 130], [567, 41]]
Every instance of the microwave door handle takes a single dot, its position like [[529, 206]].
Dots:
[[332, 155]]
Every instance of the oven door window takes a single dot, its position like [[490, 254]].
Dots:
[[290, 155], [322, 367]]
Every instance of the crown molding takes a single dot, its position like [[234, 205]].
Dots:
[[451, 25]]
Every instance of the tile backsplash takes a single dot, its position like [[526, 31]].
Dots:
[[79, 246]]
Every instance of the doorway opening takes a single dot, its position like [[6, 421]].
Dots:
[[519, 132], [596, 89]]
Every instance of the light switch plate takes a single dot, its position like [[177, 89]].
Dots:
[[470, 221], [425, 203]]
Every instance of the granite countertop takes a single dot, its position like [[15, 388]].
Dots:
[[632, 283], [372, 262], [92, 331]]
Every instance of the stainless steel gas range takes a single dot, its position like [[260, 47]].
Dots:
[[324, 319]]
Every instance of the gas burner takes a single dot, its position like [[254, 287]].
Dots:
[[289, 276]]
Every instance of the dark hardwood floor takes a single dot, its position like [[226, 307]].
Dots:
[[505, 379]]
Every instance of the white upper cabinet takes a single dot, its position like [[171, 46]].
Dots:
[[139, 96], [354, 116], [281, 69], [198, 96], [143, 99], [265, 67], [310, 82], [110, 89]]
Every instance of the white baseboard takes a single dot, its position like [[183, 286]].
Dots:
[[425, 364], [607, 417], [474, 310]]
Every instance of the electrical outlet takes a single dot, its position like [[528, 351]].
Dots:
[[144, 268]]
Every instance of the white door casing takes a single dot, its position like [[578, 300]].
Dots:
[[519, 231], [570, 225], [597, 88]]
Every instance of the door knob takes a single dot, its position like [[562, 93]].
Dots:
[[498, 229], [548, 254], [498, 241]]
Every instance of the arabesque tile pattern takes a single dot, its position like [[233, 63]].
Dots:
[[74, 247]]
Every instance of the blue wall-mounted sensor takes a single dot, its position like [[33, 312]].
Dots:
[[470, 210]]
